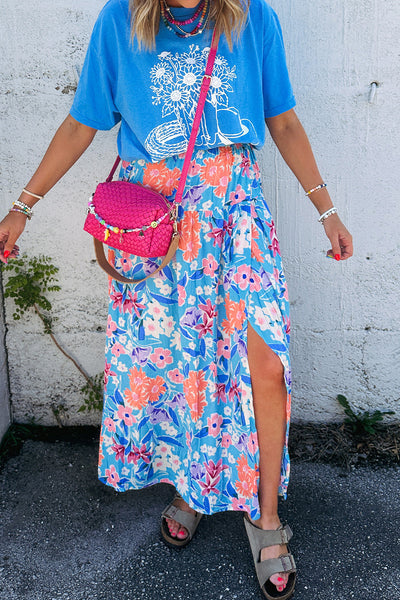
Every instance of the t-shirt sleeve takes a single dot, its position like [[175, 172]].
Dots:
[[277, 89], [94, 104]]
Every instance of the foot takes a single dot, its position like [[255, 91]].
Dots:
[[278, 579], [175, 529]]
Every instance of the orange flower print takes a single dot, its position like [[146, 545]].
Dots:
[[217, 171], [255, 250], [101, 454], [211, 172], [158, 177], [236, 315], [193, 388], [136, 395], [246, 485], [155, 388], [189, 241], [154, 175], [220, 190], [170, 181]]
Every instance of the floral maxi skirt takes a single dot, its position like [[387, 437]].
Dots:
[[178, 404]]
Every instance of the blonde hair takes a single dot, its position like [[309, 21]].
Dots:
[[229, 17]]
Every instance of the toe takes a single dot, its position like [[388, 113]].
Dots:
[[280, 580], [172, 526], [182, 533]]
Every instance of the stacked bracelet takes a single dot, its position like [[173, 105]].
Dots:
[[32, 194], [321, 186], [23, 208], [327, 214]]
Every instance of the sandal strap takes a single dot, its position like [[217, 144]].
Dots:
[[187, 520], [261, 538], [283, 564]]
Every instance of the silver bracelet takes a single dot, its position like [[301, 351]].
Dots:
[[327, 214]]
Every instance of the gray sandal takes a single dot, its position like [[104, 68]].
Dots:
[[187, 520], [259, 539]]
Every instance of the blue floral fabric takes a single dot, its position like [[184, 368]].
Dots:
[[178, 403]]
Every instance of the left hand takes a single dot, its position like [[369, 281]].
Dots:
[[340, 238]]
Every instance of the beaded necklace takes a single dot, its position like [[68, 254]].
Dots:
[[170, 21]]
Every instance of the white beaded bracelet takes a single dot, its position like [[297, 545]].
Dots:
[[321, 186], [327, 214]]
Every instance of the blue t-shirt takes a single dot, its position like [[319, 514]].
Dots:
[[154, 93]]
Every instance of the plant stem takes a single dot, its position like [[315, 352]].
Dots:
[[77, 365]]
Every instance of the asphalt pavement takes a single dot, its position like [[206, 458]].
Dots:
[[66, 536]]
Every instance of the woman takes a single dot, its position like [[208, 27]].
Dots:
[[197, 378]]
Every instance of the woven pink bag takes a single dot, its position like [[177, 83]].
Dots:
[[132, 218], [136, 219]]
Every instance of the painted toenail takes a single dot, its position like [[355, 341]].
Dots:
[[280, 578], [280, 588]]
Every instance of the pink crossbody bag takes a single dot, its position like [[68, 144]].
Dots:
[[136, 219]]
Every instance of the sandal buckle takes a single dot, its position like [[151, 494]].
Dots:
[[288, 563]]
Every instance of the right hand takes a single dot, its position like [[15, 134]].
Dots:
[[11, 228]]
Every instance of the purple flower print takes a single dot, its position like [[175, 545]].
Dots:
[[265, 279], [157, 415], [197, 471], [242, 442], [288, 377], [191, 317], [141, 355], [228, 279], [192, 196], [178, 401], [241, 346]]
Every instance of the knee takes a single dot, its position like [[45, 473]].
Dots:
[[267, 367], [273, 367]]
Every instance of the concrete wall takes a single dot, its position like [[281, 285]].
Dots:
[[345, 316]]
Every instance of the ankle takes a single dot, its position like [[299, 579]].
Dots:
[[268, 521]]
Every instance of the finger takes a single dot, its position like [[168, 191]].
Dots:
[[9, 246], [336, 249]]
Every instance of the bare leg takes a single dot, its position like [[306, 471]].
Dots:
[[269, 398]]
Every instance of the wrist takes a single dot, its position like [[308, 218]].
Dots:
[[28, 199], [321, 200]]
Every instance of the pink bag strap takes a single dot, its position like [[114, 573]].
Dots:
[[205, 85], [115, 165]]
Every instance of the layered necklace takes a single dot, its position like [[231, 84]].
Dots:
[[203, 11]]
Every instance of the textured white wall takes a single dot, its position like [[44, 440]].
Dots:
[[345, 316]]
